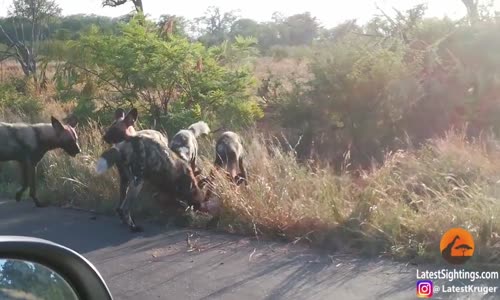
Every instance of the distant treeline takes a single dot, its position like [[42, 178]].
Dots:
[[211, 29]]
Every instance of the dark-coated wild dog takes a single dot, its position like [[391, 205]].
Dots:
[[144, 158], [123, 128], [120, 130], [28, 143], [184, 143]]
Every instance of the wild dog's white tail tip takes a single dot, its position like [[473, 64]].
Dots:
[[101, 166], [199, 128]]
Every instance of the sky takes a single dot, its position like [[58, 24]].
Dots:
[[262, 10]]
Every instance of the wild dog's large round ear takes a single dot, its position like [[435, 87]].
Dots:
[[131, 117], [119, 113], [56, 124]]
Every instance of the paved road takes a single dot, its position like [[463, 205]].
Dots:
[[156, 264]]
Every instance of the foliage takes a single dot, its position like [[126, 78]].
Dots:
[[13, 103], [151, 74], [36, 13], [180, 24], [114, 3], [215, 26], [389, 90]]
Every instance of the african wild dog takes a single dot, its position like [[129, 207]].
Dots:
[[184, 143], [229, 156], [122, 129], [28, 143], [145, 158]]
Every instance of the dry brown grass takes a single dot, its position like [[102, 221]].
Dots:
[[400, 209]]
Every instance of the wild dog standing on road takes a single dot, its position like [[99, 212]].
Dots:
[[122, 129], [145, 158], [184, 143], [28, 143]]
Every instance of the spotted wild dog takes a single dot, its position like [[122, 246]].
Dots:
[[28, 143], [184, 143], [147, 159], [120, 130], [123, 127]]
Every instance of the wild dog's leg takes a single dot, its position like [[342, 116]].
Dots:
[[194, 167], [133, 191], [24, 178], [124, 182], [242, 177], [32, 183]]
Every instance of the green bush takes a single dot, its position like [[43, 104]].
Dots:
[[162, 78], [13, 103]]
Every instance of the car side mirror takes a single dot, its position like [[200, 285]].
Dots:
[[32, 268]]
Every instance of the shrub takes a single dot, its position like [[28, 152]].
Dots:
[[153, 74], [16, 106]]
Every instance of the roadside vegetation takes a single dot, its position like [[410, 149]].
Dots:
[[372, 138]]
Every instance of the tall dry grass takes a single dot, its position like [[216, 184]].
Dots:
[[401, 209]]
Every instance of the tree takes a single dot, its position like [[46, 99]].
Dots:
[[300, 29], [179, 25], [114, 3], [472, 7], [35, 13], [245, 28], [162, 78], [215, 26]]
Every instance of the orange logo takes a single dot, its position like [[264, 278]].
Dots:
[[457, 246]]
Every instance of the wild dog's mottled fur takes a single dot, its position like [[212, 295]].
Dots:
[[120, 130], [123, 128], [184, 143], [28, 143], [144, 158]]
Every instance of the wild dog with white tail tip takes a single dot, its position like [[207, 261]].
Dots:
[[28, 143], [122, 129], [144, 158], [184, 143]]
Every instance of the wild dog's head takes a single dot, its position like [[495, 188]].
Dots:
[[66, 135], [122, 127]]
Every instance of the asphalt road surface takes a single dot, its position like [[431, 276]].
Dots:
[[159, 264]]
